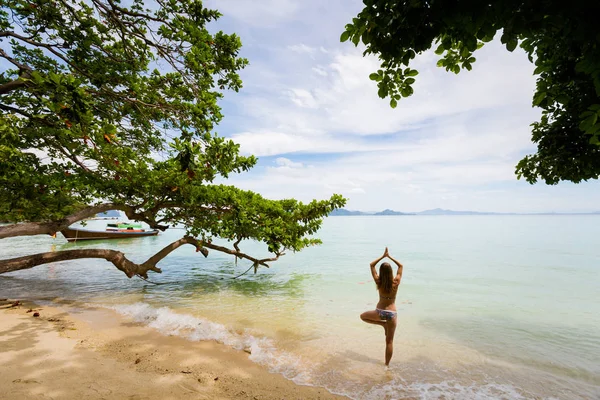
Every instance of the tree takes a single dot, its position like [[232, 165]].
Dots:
[[561, 38], [112, 107]]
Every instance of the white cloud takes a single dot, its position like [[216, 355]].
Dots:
[[320, 70], [347, 100], [257, 13], [303, 98], [287, 163], [449, 145], [302, 49]]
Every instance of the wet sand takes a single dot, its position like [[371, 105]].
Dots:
[[77, 352]]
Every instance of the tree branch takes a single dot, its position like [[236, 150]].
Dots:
[[12, 109], [17, 83], [116, 257], [48, 47], [68, 154], [119, 260], [22, 67], [12, 85], [138, 15], [237, 253]]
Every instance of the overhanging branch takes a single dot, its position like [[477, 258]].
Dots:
[[119, 260], [237, 253], [116, 257]]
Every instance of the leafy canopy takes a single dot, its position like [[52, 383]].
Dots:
[[107, 103], [561, 38]]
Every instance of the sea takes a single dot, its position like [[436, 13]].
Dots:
[[490, 306]]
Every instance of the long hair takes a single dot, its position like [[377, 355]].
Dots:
[[386, 277]]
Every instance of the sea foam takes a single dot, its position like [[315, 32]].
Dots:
[[262, 350], [447, 390]]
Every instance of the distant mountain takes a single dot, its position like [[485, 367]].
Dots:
[[391, 212], [440, 211], [343, 212], [340, 212]]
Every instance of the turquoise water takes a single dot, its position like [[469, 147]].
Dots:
[[489, 306]]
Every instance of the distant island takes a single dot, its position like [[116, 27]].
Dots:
[[439, 211], [391, 212], [343, 212]]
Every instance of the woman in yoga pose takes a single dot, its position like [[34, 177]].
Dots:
[[385, 313]]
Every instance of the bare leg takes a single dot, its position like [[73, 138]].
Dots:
[[389, 339], [372, 317]]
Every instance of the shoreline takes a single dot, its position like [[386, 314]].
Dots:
[[79, 351]]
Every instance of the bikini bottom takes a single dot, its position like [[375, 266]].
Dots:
[[386, 315]]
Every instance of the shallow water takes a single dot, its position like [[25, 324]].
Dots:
[[489, 306]]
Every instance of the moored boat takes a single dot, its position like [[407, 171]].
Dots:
[[124, 226], [74, 234]]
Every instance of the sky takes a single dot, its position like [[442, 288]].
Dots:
[[311, 115]]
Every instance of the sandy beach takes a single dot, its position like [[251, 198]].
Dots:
[[71, 351]]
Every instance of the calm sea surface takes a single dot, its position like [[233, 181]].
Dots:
[[490, 307]]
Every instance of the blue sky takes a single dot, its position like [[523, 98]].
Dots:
[[310, 113], [312, 116]]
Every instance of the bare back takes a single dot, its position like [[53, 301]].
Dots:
[[387, 300]]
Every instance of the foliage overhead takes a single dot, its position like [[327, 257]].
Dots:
[[113, 106], [561, 38]]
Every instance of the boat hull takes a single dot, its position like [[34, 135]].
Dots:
[[74, 234]]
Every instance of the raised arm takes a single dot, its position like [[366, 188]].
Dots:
[[400, 267], [374, 263]]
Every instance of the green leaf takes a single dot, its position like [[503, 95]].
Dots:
[[382, 92], [588, 123], [537, 100], [406, 59], [594, 129], [512, 44], [409, 81], [586, 114], [344, 37], [355, 39], [105, 101], [412, 72], [375, 77], [440, 50], [393, 103]]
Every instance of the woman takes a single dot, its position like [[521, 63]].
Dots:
[[385, 313]]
